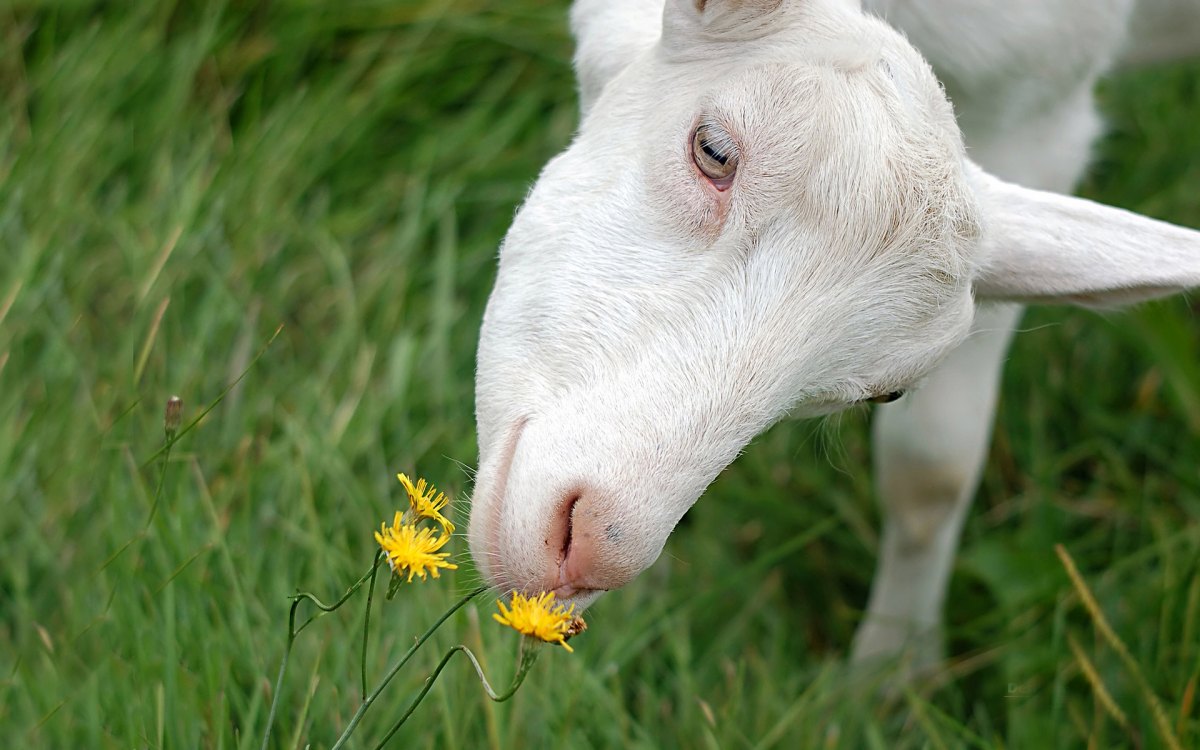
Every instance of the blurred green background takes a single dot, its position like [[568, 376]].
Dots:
[[179, 179]]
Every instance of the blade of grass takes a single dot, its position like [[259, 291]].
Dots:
[[1110, 637]]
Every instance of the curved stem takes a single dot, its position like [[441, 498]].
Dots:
[[528, 657], [327, 608], [370, 699]]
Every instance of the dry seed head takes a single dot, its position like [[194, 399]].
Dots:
[[574, 628]]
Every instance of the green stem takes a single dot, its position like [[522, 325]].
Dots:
[[220, 397], [370, 699], [528, 657], [162, 478], [287, 652], [367, 623], [294, 631]]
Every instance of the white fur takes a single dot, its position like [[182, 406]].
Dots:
[[645, 326], [1163, 30]]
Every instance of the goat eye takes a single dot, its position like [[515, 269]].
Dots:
[[886, 398], [715, 154]]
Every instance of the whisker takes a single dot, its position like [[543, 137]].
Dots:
[[466, 469]]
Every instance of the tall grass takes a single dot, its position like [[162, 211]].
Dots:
[[179, 179]]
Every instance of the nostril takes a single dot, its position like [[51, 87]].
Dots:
[[589, 555], [567, 524]]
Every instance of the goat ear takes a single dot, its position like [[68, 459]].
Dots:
[[1045, 247], [687, 21], [609, 35]]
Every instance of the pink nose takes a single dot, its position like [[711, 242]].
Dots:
[[589, 545]]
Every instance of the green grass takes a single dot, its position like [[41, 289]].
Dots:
[[178, 180]]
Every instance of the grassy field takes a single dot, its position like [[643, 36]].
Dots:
[[179, 180]]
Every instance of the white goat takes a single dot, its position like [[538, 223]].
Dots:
[[768, 211]]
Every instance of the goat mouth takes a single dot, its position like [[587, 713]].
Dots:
[[578, 598]]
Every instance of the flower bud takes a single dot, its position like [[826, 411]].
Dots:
[[171, 416]]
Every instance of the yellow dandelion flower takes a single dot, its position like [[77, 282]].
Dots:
[[539, 617], [426, 501], [414, 550]]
